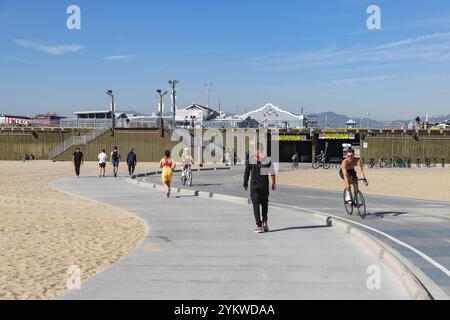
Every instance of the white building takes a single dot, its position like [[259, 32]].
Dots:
[[271, 116], [196, 113], [15, 120]]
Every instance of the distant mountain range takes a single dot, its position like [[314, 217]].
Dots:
[[335, 120]]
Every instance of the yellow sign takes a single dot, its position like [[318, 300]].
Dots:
[[290, 138], [336, 136]]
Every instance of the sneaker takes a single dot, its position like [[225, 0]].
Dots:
[[259, 230], [348, 197], [265, 226]]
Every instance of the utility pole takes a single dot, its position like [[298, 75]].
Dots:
[[173, 84], [208, 89], [113, 111], [161, 111]]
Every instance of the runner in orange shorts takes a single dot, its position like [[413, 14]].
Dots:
[[168, 165]]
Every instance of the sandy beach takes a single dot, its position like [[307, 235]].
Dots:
[[44, 232], [431, 184]]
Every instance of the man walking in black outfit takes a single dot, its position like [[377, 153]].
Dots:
[[259, 167], [131, 161], [78, 160]]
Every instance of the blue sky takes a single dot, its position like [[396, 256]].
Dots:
[[315, 54]]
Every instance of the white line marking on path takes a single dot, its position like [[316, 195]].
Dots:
[[420, 253]]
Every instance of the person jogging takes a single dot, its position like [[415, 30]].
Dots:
[[259, 167], [168, 165], [102, 158], [115, 157], [131, 161], [78, 161]]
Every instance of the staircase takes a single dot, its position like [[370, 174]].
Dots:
[[76, 141]]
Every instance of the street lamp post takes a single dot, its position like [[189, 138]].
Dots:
[[173, 84], [113, 110], [161, 120]]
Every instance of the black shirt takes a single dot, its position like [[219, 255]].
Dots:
[[131, 158], [259, 174], [78, 157]]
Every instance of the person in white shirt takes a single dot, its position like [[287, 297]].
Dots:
[[102, 158], [186, 160]]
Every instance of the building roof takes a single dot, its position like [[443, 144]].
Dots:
[[198, 106], [12, 116], [272, 113], [91, 112]]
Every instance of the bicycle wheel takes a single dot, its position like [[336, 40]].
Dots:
[[315, 165], [190, 179], [360, 204], [183, 179], [326, 165], [348, 206]]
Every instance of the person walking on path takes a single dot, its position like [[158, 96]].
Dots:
[[102, 158], [259, 167], [131, 161], [78, 161], [168, 165], [115, 157]]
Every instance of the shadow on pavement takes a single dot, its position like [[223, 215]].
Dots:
[[375, 215], [301, 228]]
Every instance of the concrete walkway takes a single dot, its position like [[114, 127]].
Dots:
[[206, 249]]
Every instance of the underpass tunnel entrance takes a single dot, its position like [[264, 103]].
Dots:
[[289, 148], [334, 148]]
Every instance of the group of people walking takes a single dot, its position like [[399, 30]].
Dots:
[[258, 169], [78, 160]]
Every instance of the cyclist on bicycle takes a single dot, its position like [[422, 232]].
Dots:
[[295, 159], [187, 161], [348, 172]]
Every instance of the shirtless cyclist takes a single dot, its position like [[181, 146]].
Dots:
[[348, 172]]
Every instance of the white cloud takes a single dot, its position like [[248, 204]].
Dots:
[[49, 49], [123, 58], [365, 79], [433, 47], [10, 58]]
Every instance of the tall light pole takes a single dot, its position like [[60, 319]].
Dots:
[[113, 110], [173, 84], [208, 91], [161, 121]]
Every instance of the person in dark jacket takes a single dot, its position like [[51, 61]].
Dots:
[[131, 161], [78, 160], [258, 168]]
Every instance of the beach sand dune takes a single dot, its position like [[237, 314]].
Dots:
[[44, 232]]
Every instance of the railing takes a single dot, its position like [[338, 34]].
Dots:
[[76, 141]]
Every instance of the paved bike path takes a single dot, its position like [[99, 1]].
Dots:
[[206, 249], [423, 224]]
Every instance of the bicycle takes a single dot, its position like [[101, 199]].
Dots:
[[294, 164], [358, 201], [186, 176], [372, 164], [321, 163]]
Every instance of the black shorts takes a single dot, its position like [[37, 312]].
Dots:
[[102, 165], [350, 173]]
